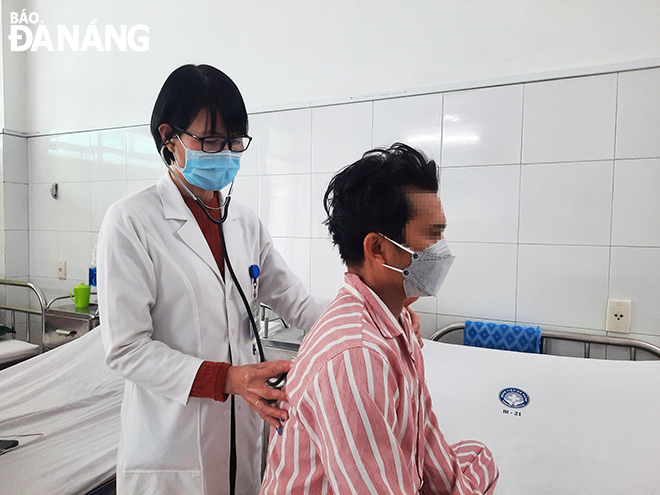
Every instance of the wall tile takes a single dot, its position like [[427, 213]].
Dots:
[[43, 209], [562, 285], [15, 162], [3, 252], [44, 249], [415, 120], [566, 203], [296, 253], [340, 135], [284, 204], [636, 208], [285, 140], [635, 276], [638, 114], [17, 254], [108, 152], [319, 185], [428, 324], [76, 249], [246, 191], [74, 157], [483, 126], [142, 159], [74, 200], [104, 194], [481, 203], [569, 119], [133, 186], [250, 157], [16, 206], [425, 305], [42, 159], [481, 282], [327, 269]]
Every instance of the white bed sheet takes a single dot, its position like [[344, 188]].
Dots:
[[591, 426], [72, 398]]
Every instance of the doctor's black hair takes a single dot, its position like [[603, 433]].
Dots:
[[369, 196], [191, 88]]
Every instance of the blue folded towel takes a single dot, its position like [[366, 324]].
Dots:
[[502, 336]]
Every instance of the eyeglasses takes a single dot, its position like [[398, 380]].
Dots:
[[214, 144]]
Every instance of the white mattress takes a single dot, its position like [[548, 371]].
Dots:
[[72, 398], [591, 426], [14, 350]]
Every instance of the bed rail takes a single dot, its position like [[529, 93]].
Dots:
[[13, 310], [586, 339]]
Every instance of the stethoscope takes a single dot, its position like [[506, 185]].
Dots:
[[275, 382]]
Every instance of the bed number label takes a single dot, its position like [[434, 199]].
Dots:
[[512, 413]]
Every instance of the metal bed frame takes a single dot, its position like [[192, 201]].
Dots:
[[586, 339], [29, 312]]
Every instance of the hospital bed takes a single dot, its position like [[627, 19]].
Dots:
[[555, 424], [63, 409], [589, 426], [564, 425]]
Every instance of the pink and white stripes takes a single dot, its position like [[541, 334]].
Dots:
[[360, 413]]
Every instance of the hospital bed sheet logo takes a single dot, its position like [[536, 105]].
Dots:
[[514, 398], [28, 32]]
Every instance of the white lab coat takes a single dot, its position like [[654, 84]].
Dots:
[[164, 309]]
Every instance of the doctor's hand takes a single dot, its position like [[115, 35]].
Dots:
[[249, 382]]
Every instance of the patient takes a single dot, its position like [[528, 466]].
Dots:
[[360, 414]]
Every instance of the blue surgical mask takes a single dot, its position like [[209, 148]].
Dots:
[[210, 171]]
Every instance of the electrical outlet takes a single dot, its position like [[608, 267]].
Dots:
[[61, 270], [618, 316]]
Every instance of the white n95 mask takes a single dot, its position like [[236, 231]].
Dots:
[[427, 269]]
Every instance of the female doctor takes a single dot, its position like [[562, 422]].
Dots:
[[177, 273]]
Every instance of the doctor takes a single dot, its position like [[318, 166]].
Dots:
[[174, 321]]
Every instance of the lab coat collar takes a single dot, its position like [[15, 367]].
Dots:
[[387, 324], [175, 208]]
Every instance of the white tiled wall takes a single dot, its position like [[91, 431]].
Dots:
[[15, 257], [91, 171], [550, 190]]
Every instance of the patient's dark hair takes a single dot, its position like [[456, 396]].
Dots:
[[369, 196], [191, 88]]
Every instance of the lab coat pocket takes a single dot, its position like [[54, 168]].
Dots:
[[161, 434]]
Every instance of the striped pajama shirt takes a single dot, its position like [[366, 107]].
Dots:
[[361, 420]]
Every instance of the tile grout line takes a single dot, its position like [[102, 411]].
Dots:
[[522, 134], [609, 259], [442, 134], [311, 158]]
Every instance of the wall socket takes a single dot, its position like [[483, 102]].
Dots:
[[618, 316], [61, 269]]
